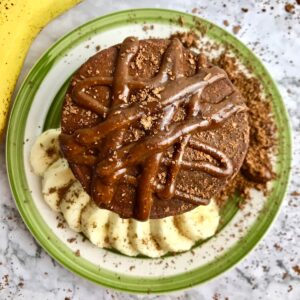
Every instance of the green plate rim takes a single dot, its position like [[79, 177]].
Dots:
[[57, 249]]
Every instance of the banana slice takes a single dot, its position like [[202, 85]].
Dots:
[[72, 205], [141, 238], [118, 235], [45, 151], [168, 236], [94, 224], [56, 180], [199, 223]]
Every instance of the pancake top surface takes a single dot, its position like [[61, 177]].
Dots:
[[151, 129]]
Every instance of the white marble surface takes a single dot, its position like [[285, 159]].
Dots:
[[27, 272]]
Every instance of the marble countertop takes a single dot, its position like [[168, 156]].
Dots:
[[27, 272]]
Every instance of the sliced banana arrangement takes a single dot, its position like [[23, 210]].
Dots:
[[105, 229]]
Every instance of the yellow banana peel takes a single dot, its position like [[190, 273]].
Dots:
[[20, 22]]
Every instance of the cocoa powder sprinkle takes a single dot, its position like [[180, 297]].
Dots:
[[257, 169]]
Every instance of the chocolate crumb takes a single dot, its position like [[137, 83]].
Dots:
[[244, 9], [97, 48], [226, 23], [188, 39], [216, 296], [71, 240], [277, 247], [236, 29], [147, 27], [51, 152], [289, 8], [5, 281], [295, 193], [61, 225], [297, 269], [77, 252]]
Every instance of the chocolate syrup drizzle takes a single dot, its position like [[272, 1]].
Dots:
[[112, 158]]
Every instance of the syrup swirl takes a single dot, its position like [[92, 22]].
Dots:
[[103, 145]]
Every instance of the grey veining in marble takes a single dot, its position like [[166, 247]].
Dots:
[[27, 272]]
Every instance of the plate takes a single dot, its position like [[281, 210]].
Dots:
[[37, 107]]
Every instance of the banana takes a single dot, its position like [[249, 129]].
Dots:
[[141, 238], [118, 235], [168, 236], [56, 180], [199, 223], [45, 151], [94, 224], [72, 205], [20, 22]]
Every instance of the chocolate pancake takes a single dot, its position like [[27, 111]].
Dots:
[[151, 129]]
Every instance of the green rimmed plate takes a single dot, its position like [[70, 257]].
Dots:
[[37, 107]]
